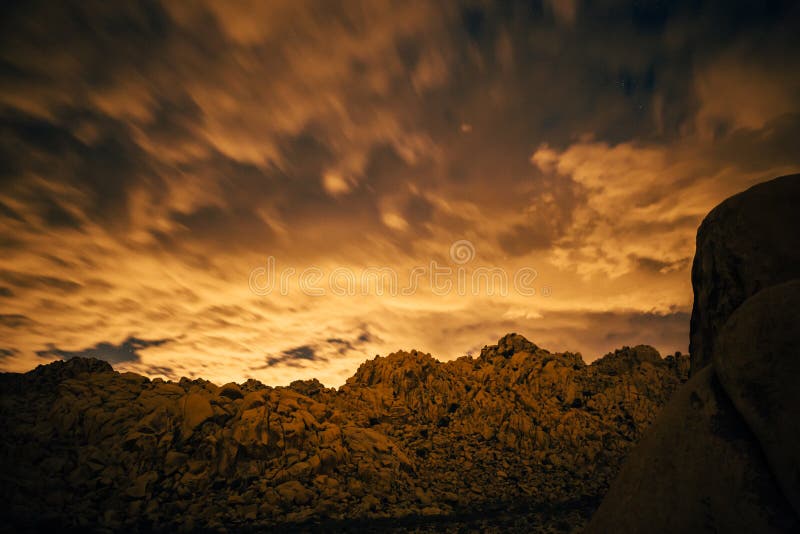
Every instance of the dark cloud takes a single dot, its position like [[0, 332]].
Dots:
[[9, 243], [56, 216], [659, 266], [222, 228], [365, 337], [58, 262], [303, 352], [292, 357], [119, 124], [15, 320], [127, 351], [342, 343], [522, 239], [153, 370], [99, 173], [752, 150], [418, 210], [6, 292], [322, 352], [659, 329], [32, 281], [7, 353], [344, 347], [10, 213]]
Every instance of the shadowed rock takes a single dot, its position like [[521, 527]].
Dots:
[[723, 456], [518, 437], [698, 469], [749, 242], [758, 363]]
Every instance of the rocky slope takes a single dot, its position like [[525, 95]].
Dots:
[[723, 455], [517, 438]]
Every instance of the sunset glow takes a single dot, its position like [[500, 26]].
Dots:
[[153, 157]]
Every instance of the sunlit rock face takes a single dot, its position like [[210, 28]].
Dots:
[[517, 437]]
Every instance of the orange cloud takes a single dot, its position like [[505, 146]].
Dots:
[[152, 156]]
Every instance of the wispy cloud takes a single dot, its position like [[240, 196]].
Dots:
[[151, 155]]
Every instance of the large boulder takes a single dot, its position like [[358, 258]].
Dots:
[[758, 364], [749, 242], [723, 456], [196, 410], [698, 469]]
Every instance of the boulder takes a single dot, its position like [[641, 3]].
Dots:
[[698, 469], [749, 242], [231, 390], [294, 493], [196, 410], [141, 485], [723, 456], [509, 345], [758, 363]]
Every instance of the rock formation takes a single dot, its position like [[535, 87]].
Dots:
[[758, 363], [747, 243], [517, 438], [723, 455], [698, 469]]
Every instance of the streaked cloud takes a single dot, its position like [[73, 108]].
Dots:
[[152, 155]]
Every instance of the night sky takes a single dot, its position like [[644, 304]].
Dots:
[[152, 155]]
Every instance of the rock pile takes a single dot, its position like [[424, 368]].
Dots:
[[724, 454], [518, 438]]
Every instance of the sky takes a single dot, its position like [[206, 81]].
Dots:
[[280, 190]]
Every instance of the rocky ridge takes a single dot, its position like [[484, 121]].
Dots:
[[518, 438]]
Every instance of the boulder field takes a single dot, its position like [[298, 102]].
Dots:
[[517, 439]]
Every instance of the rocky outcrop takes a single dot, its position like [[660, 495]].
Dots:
[[747, 243], [723, 456], [518, 438]]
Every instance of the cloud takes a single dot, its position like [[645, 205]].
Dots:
[[160, 370], [565, 11], [10, 213], [7, 353], [152, 155], [322, 351], [15, 320], [633, 191], [127, 351], [735, 94], [292, 356], [41, 282], [345, 346]]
